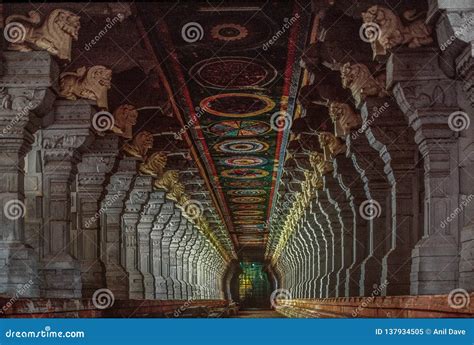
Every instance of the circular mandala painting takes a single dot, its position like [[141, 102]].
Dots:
[[248, 207], [239, 128], [241, 146], [237, 104], [245, 184], [238, 192], [247, 222], [244, 161], [249, 212], [229, 32], [244, 173], [247, 199], [230, 73]]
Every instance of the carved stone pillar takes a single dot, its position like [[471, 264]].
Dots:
[[181, 265], [93, 172], [168, 269], [145, 228], [25, 97], [138, 197], [62, 144], [112, 244], [159, 259], [175, 259], [192, 233], [427, 98], [391, 137]]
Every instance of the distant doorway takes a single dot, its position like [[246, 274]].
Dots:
[[254, 286]]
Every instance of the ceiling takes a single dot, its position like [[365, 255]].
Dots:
[[234, 71]]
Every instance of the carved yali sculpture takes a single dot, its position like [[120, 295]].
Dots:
[[154, 165], [55, 35], [360, 81], [169, 181], [331, 145], [319, 164], [90, 83], [391, 32], [140, 145], [125, 117], [344, 118]]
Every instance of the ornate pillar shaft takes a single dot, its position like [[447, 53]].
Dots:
[[25, 96], [63, 142], [93, 173]]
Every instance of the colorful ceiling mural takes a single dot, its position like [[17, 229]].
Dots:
[[231, 93]]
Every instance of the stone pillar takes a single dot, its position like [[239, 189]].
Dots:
[[134, 205], [112, 244], [391, 137], [159, 257], [26, 96], [145, 228], [175, 259], [427, 98], [187, 259], [182, 270], [62, 144], [369, 191], [167, 261], [93, 173]]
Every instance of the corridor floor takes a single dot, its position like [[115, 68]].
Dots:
[[259, 314]]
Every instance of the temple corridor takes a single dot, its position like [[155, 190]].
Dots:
[[237, 159]]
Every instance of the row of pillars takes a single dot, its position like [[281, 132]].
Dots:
[[77, 215], [413, 169]]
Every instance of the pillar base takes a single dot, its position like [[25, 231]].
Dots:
[[396, 273], [117, 282], [466, 264], [92, 275], [18, 270], [434, 265], [61, 275], [136, 285], [149, 285], [370, 272], [160, 288]]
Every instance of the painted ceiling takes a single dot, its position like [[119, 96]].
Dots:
[[234, 78]]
